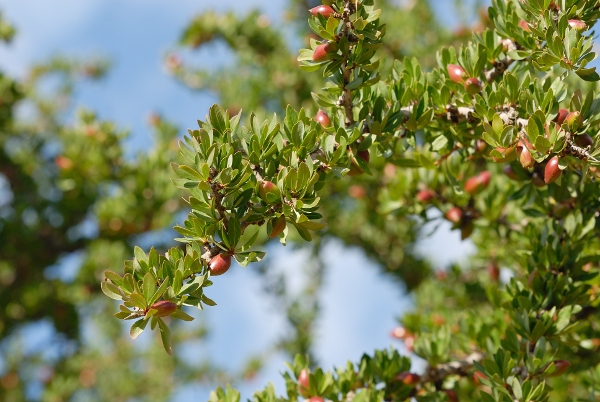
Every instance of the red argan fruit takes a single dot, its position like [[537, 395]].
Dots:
[[473, 85], [408, 378], [451, 395], [456, 73], [325, 11], [163, 308], [561, 116], [454, 215], [409, 343], [478, 376], [525, 157], [269, 192], [315, 399], [321, 51], [574, 120], [355, 170], [425, 196], [524, 25], [510, 172], [578, 25], [561, 367], [493, 272], [277, 226], [303, 385], [477, 183], [356, 191], [219, 264], [63, 162], [323, 119], [584, 140], [552, 171], [401, 333]]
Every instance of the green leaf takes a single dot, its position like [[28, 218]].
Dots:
[[181, 315], [165, 335], [137, 328], [110, 290], [148, 287]]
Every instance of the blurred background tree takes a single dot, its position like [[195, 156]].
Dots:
[[74, 199]]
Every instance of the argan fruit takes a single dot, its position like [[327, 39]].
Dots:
[[303, 385], [164, 308], [451, 395], [473, 85], [407, 378], [322, 118], [561, 367], [524, 25], [425, 196], [315, 399], [325, 11], [584, 140], [321, 51], [578, 25], [493, 271], [509, 154], [552, 170], [454, 215], [269, 192], [574, 120], [525, 157], [355, 170], [561, 116], [478, 376], [401, 333], [277, 226], [63, 162], [219, 264], [456, 73], [478, 183]]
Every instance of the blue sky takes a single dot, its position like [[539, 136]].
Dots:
[[135, 35]]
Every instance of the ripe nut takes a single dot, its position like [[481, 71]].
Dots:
[[451, 395], [574, 120], [510, 172], [325, 11], [456, 73], [63, 162], [269, 192], [407, 378], [454, 215], [477, 183], [552, 170], [578, 25], [409, 343], [493, 271], [561, 367], [401, 333], [466, 229], [322, 51], [356, 191], [355, 170], [316, 399], [561, 116], [163, 308], [478, 376], [473, 85], [525, 157], [219, 264], [524, 25], [537, 180], [277, 226], [303, 384], [425, 196], [322, 118], [584, 140]]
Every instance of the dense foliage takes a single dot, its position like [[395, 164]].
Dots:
[[497, 135]]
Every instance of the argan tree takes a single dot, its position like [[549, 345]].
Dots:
[[499, 137]]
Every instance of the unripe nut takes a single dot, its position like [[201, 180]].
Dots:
[[456, 73], [473, 85], [525, 157], [303, 383], [477, 183], [574, 120], [219, 264], [277, 226], [425, 196], [552, 170], [578, 25], [408, 378], [325, 11], [163, 308], [269, 192], [322, 118]]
